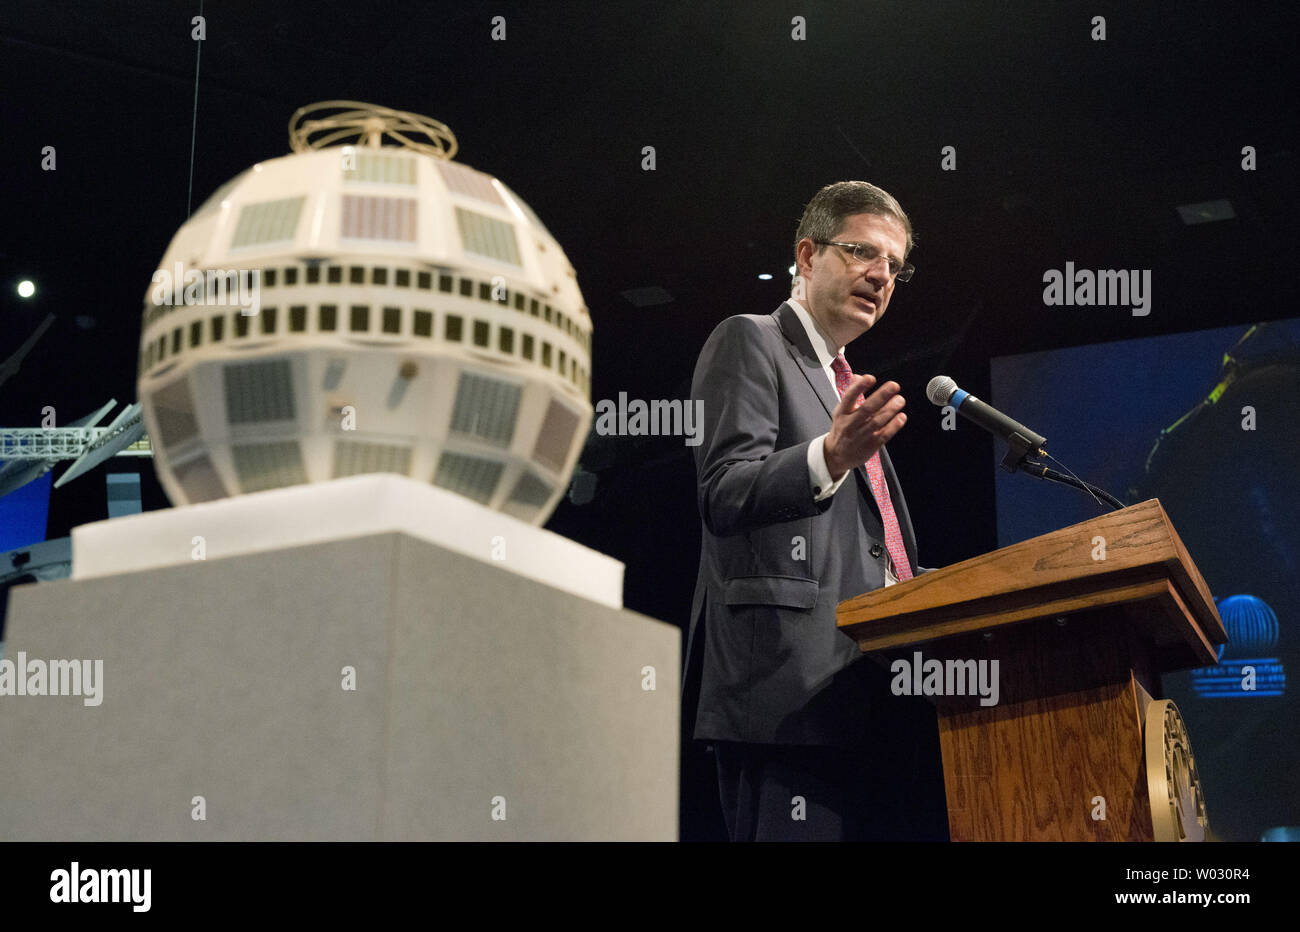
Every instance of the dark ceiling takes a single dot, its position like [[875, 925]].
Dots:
[[1067, 149]]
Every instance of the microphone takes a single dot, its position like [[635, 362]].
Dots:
[[944, 391]]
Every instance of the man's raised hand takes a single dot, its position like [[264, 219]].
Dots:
[[859, 431]]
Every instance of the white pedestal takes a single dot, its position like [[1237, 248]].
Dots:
[[480, 692]]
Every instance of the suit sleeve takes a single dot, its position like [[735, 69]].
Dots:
[[743, 481]]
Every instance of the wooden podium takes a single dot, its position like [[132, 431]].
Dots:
[[1082, 622]]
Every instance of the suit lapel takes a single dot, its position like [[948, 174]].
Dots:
[[796, 343], [801, 350]]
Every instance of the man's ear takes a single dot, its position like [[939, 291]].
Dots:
[[803, 252]]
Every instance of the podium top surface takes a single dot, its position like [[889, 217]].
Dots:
[[340, 509], [1130, 557]]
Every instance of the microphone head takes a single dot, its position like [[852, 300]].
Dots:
[[940, 390]]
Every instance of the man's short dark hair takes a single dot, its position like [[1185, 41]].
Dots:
[[825, 214]]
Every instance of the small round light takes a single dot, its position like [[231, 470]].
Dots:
[[793, 269], [26, 289], [765, 277]]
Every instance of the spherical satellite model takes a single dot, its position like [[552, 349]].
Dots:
[[365, 308]]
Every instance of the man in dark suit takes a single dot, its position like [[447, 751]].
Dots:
[[801, 510]]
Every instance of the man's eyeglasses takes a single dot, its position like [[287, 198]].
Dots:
[[868, 254]]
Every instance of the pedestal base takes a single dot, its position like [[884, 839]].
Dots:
[[379, 687]]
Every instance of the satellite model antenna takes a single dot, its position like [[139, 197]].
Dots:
[[368, 123]]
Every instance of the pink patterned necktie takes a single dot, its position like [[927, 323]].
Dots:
[[876, 475]]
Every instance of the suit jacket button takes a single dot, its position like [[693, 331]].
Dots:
[[876, 550]]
